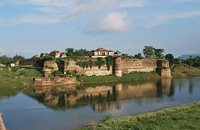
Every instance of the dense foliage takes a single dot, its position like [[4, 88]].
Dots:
[[139, 56], [192, 61], [109, 62], [170, 57], [151, 52], [81, 52], [40, 61], [99, 62], [8, 60]]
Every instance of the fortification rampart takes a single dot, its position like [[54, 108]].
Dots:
[[120, 66], [138, 65], [71, 65]]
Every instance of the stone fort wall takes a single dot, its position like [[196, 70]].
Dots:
[[71, 66], [120, 67]]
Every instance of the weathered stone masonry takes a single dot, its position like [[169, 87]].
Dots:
[[120, 67]]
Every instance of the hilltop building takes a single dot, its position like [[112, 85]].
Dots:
[[63, 55], [101, 52], [44, 54], [35, 56], [55, 54]]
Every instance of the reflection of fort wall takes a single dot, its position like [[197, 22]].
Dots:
[[103, 90], [50, 100], [136, 91], [117, 93], [103, 106], [166, 85]]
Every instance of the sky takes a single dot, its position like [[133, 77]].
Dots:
[[30, 27]]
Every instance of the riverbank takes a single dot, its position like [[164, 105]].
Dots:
[[112, 78], [180, 117], [19, 76], [182, 71]]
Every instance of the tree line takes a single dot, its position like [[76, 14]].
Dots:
[[148, 52], [8, 60]]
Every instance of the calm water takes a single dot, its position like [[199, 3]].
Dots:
[[63, 108]]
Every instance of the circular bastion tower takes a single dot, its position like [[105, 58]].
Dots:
[[117, 66]]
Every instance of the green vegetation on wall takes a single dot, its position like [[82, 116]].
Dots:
[[99, 62], [109, 62]]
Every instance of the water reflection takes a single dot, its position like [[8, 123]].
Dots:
[[8, 92], [75, 106], [100, 97]]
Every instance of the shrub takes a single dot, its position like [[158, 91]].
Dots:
[[107, 116]]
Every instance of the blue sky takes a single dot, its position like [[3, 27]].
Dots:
[[29, 27]]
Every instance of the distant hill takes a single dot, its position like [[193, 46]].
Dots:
[[187, 56]]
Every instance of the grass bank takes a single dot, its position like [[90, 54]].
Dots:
[[176, 118], [112, 78], [185, 71], [15, 77]]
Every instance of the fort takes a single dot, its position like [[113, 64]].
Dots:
[[101, 62], [120, 66]]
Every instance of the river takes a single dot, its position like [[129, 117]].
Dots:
[[68, 107]]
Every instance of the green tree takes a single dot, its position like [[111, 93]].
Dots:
[[189, 61], [149, 51], [196, 61], [40, 61], [69, 51], [170, 57], [5, 60], [158, 53], [82, 52], [18, 58], [139, 56]]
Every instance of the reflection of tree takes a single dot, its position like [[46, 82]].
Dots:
[[159, 88], [172, 89], [191, 86], [9, 92], [180, 84]]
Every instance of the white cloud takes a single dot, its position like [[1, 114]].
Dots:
[[166, 18], [2, 50], [113, 22], [49, 10], [133, 3], [83, 6], [186, 0], [36, 19], [59, 3]]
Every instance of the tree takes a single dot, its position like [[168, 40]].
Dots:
[[69, 51], [170, 57], [196, 61], [82, 52], [189, 61], [149, 51], [139, 56], [158, 53], [18, 58], [5, 60]]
